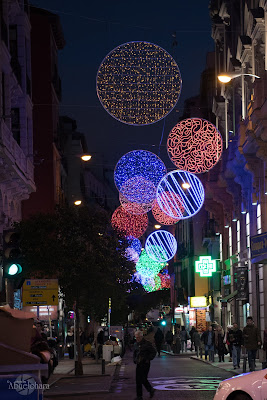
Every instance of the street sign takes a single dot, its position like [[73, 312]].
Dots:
[[40, 292]]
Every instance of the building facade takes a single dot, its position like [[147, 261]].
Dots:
[[47, 39], [16, 125]]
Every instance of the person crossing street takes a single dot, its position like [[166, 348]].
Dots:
[[144, 352]]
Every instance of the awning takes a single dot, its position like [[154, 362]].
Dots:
[[229, 297]]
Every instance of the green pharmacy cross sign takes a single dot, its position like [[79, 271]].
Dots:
[[205, 266]]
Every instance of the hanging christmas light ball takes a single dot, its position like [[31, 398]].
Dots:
[[161, 246], [189, 190], [135, 244], [137, 195], [128, 224], [153, 285], [162, 217], [138, 83], [138, 164], [131, 255], [165, 280], [147, 267], [194, 145]]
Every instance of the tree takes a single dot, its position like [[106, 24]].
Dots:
[[77, 246]]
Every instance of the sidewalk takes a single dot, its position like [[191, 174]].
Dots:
[[226, 365], [63, 381]]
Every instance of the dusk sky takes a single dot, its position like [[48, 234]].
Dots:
[[92, 29]]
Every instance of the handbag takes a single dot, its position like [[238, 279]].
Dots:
[[262, 355]]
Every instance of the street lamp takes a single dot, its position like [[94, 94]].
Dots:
[[157, 226], [228, 76], [86, 157], [78, 202]]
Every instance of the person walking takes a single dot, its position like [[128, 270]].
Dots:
[[191, 333], [158, 337], [208, 338], [219, 343], [197, 343], [235, 339], [169, 340], [184, 337], [252, 340], [177, 341], [144, 352]]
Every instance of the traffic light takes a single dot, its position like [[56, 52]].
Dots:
[[11, 254], [163, 323]]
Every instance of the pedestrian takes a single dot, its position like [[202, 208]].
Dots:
[[208, 338], [235, 340], [158, 337], [176, 344], [197, 343], [191, 333], [252, 340], [227, 341], [100, 342], [169, 340], [144, 352], [219, 343], [184, 337]]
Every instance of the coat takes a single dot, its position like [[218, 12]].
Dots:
[[158, 337], [197, 339], [252, 337], [235, 337], [144, 352], [205, 336]]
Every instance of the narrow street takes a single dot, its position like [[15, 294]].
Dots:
[[172, 377]]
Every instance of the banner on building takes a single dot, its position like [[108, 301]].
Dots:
[[241, 278]]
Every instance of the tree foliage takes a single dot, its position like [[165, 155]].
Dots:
[[76, 246]]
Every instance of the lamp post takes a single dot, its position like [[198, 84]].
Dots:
[[228, 76]]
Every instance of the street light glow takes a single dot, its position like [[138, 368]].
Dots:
[[86, 157], [78, 202], [157, 226], [227, 77], [185, 185]]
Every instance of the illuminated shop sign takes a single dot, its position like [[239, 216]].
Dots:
[[197, 302], [205, 266]]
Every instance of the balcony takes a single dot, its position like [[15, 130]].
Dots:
[[15, 157]]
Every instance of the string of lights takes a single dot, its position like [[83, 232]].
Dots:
[[161, 246], [139, 163], [189, 190], [138, 83], [129, 224], [194, 145]]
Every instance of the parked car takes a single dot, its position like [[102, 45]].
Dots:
[[249, 386]]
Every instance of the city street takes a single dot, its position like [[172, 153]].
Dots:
[[172, 377]]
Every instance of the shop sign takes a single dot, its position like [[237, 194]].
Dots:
[[205, 266], [197, 302], [258, 245]]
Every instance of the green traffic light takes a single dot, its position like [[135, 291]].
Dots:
[[14, 269], [163, 323]]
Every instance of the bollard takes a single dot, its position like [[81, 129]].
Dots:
[[103, 366]]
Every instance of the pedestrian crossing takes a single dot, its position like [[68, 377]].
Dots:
[[186, 383]]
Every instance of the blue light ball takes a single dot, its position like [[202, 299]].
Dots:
[[139, 164], [161, 246]]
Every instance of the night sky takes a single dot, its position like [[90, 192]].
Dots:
[[92, 29]]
